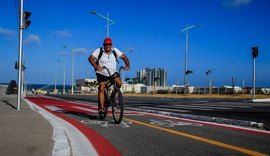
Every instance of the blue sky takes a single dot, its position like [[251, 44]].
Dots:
[[151, 28]]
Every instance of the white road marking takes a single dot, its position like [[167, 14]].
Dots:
[[199, 107], [107, 124], [167, 109], [170, 123], [55, 109], [218, 105], [86, 109]]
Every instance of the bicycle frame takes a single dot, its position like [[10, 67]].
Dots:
[[115, 102]]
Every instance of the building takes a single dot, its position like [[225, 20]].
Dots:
[[86, 86], [152, 77]]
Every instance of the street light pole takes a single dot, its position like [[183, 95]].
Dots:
[[107, 25], [20, 57], [186, 53], [55, 84], [186, 63], [72, 74], [254, 79], [64, 77], [72, 70], [64, 83], [107, 21]]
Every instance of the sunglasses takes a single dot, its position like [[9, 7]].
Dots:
[[107, 44]]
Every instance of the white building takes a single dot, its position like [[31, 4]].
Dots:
[[86, 86]]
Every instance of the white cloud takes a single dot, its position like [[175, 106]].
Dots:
[[236, 3], [32, 39], [81, 51], [62, 33], [7, 32]]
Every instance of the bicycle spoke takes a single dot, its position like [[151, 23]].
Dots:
[[117, 107]]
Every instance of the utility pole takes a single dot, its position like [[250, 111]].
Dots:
[[186, 72], [24, 23], [72, 72], [20, 57], [233, 85]]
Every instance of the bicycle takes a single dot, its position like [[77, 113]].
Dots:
[[115, 100]]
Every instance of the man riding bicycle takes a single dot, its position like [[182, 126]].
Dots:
[[106, 57]]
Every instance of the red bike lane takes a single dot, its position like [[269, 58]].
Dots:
[[63, 109], [59, 108]]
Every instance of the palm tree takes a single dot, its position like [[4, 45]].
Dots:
[[206, 74], [144, 80], [135, 81], [155, 79], [187, 85], [128, 80]]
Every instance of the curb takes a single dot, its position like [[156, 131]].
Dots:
[[218, 120], [68, 140], [260, 100]]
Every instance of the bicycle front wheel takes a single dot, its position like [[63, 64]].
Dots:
[[117, 106]]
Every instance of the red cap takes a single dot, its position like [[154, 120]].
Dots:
[[107, 41]]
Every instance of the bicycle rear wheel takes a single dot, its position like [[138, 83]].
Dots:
[[117, 106]]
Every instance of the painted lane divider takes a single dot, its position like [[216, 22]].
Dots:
[[170, 123], [107, 124], [216, 143]]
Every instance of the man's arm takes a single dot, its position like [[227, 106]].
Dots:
[[92, 61], [126, 60]]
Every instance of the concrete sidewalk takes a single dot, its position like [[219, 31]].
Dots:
[[23, 132]]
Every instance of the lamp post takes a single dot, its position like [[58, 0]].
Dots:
[[186, 52], [72, 73], [108, 21], [64, 77], [72, 70], [20, 57]]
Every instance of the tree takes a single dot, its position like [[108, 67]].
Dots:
[[135, 80], [206, 82], [144, 80], [155, 79], [128, 80]]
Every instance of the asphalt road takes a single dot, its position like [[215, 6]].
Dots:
[[150, 134], [222, 108]]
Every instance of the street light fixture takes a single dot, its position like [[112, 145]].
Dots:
[[108, 21], [186, 52]]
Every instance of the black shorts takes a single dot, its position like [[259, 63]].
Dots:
[[102, 78]]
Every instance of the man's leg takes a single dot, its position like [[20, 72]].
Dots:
[[118, 82], [101, 96]]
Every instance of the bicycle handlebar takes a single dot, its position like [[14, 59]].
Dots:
[[121, 68]]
